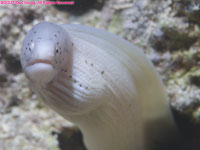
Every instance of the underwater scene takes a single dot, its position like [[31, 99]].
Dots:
[[100, 75]]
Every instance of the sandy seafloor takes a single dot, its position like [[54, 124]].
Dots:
[[167, 30]]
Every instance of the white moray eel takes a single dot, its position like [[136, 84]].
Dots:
[[100, 82]]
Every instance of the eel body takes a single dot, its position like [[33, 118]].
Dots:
[[100, 82]]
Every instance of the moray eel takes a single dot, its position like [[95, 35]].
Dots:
[[102, 83]]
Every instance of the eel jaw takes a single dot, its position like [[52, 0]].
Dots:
[[40, 71]]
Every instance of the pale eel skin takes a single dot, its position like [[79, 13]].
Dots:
[[102, 83]]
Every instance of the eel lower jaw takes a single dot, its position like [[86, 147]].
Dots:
[[40, 71]]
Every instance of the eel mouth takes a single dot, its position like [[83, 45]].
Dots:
[[40, 71], [40, 61]]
